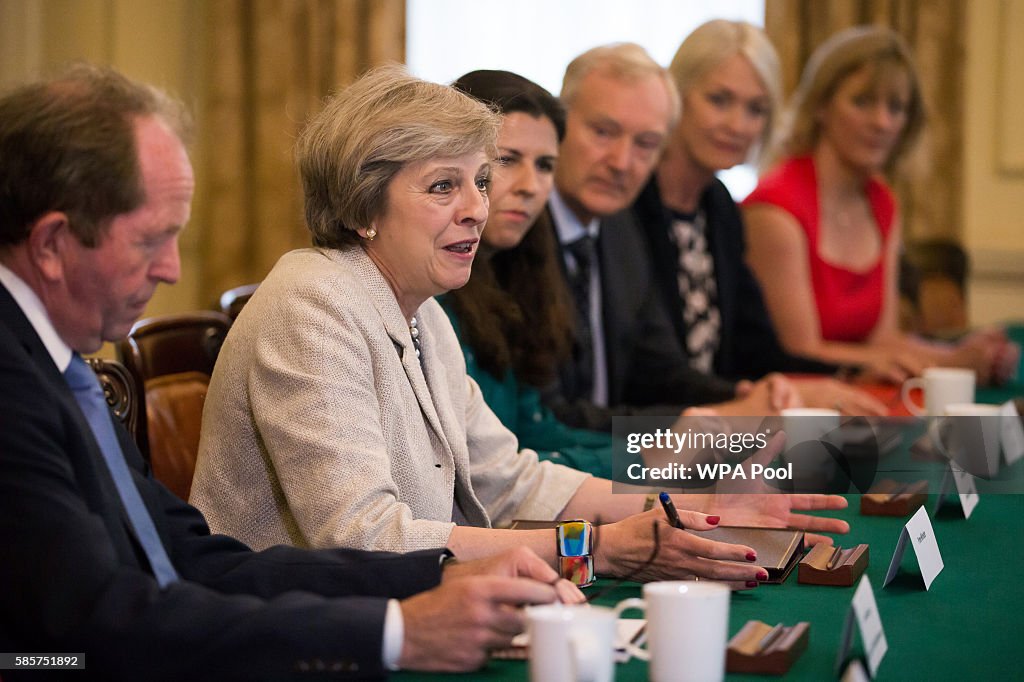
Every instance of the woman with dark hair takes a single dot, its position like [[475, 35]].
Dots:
[[514, 318]]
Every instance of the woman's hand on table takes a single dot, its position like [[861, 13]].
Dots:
[[849, 400], [764, 509], [780, 510], [989, 353], [768, 395], [892, 367], [626, 549]]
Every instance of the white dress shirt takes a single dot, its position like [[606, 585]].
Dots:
[[37, 316]]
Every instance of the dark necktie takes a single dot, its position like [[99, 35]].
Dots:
[[89, 395], [583, 252]]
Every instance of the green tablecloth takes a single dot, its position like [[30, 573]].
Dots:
[[966, 627]]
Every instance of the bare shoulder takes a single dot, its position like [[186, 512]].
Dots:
[[770, 227]]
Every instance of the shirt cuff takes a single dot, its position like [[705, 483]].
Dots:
[[394, 633]]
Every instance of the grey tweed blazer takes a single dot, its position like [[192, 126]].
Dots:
[[321, 428]]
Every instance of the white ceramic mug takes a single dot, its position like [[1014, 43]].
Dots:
[[808, 430], [571, 642], [687, 629], [942, 386], [803, 424], [969, 435]]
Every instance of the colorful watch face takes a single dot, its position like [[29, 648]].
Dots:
[[577, 569], [575, 538]]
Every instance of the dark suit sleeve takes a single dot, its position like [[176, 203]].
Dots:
[[647, 364], [229, 566], [659, 371], [68, 586], [657, 380]]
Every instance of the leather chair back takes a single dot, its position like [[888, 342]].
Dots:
[[174, 410], [233, 300], [122, 394], [169, 344], [172, 358]]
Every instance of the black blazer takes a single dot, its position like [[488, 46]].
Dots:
[[749, 347], [73, 577], [648, 374]]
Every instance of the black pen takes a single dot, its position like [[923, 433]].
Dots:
[[670, 511]]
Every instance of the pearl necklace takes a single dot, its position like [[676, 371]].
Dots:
[[415, 333]]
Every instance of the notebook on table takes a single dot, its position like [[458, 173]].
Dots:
[[778, 549]]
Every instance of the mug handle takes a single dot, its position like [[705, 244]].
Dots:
[[625, 605], [908, 386]]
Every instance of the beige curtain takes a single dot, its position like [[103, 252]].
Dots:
[[271, 63], [931, 189]]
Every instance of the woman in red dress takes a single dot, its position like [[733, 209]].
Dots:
[[823, 227]]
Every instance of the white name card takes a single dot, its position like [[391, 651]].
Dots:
[[1011, 433], [965, 485], [855, 672], [872, 634], [967, 489], [918, 532]]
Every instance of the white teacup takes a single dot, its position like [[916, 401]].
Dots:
[[803, 424], [571, 642], [687, 628], [942, 386], [808, 430], [969, 436]]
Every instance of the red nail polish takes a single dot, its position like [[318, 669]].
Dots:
[[752, 583], [763, 575], [713, 520], [751, 556]]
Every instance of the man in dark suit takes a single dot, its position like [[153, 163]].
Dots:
[[95, 187], [621, 106]]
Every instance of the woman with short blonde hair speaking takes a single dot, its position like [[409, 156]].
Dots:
[[340, 412]]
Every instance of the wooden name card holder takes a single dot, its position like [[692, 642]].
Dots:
[[825, 565], [889, 498], [760, 649]]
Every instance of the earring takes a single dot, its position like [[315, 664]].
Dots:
[[371, 233]]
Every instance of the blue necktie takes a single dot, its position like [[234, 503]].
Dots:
[[86, 387]]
